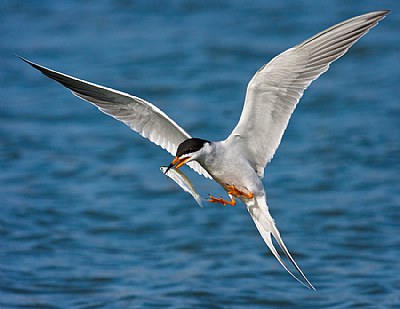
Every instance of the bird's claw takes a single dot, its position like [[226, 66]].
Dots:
[[233, 192], [220, 200], [237, 193]]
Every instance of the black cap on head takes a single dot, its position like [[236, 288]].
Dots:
[[190, 145]]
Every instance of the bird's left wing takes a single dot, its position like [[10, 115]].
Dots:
[[140, 115], [274, 91]]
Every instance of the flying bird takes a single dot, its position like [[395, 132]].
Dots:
[[236, 163]]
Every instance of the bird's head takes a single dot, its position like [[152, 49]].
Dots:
[[191, 149]]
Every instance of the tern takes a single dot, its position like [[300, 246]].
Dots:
[[236, 163]]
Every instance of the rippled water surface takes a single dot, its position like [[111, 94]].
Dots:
[[88, 221]]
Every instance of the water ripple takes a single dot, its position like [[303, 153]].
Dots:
[[88, 221]]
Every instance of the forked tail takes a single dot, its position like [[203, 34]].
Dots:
[[265, 224]]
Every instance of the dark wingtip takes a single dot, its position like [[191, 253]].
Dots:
[[22, 58], [34, 65]]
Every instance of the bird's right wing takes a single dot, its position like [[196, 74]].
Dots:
[[265, 224], [141, 116], [275, 90]]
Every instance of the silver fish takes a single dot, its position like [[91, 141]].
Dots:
[[182, 181]]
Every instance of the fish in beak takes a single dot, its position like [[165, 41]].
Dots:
[[177, 162]]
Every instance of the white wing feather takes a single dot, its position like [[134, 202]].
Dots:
[[274, 91], [141, 116]]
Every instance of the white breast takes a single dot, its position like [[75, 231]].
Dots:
[[228, 167]]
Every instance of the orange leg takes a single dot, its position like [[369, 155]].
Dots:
[[237, 193], [221, 201]]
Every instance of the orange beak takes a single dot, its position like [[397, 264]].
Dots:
[[177, 162]]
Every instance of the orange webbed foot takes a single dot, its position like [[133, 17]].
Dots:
[[220, 200], [237, 193]]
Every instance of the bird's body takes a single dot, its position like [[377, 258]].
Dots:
[[226, 165], [237, 163]]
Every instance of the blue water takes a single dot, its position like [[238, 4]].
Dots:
[[88, 221]]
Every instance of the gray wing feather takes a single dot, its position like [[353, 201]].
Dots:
[[274, 91], [141, 116]]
